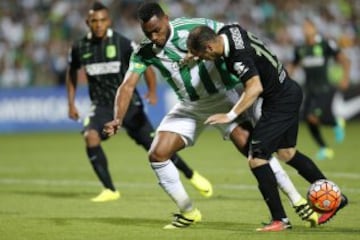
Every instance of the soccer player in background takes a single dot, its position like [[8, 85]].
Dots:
[[276, 131], [313, 56], [203, 88], [105, 55]]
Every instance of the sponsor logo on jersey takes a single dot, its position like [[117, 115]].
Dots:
[[110, 51], [240, 68], [103, 68], [236, 37], [313, 61]]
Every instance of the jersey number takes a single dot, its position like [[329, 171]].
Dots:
[[261, 50]]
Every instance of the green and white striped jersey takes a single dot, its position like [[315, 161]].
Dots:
[[191, 81]]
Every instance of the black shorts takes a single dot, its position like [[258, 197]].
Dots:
[[278, 125], [136, 124], [320, 105]]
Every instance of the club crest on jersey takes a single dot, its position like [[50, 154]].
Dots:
[[240, 68], [110, 51]]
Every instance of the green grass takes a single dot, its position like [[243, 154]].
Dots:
[[46, 183]]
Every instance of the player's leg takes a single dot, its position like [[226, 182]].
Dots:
[[140, 129], [240, 137], [313, 112], [304, 166], [93, 137], [338, 123], [165, 145], [260, 152]]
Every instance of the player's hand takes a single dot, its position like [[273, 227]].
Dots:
[[111, 128], [343, 85], [151, 97], [218, 119], [73, 112]]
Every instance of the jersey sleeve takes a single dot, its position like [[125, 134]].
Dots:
[[73, 57], [137, 65], [241, 54]]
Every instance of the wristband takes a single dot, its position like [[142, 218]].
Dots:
[[232, 115]]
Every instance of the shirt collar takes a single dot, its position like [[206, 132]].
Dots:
[[109, 33], [226, 45]]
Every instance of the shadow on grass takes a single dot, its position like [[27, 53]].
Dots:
[[57, 194], [235, 227]]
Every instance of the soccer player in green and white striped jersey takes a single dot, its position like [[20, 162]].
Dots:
[[203, 88]]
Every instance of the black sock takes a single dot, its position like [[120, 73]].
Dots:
[[268, 188], [306, 167], [99, 162], [182, 166], [316, 134]]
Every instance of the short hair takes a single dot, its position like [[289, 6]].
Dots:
[[199, 37], [98, 6], [149, 9]]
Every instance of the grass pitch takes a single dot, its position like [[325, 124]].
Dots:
[[46, 183]]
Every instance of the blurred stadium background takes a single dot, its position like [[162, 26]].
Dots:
[[46, 181], [35, 36]]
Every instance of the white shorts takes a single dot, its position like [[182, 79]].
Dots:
[[187, 118]]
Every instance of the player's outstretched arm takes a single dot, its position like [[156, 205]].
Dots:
[[122, 100], [71, 83], [253, 89], [150, 79], [344, 61]]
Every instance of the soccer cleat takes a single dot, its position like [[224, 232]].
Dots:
[[106, 195], [325, 153], [325, 217], [275, 226], [183, 220], [339, 130], [306, 213], [201, 184]]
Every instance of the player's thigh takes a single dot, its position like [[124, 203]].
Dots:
[[165, 145], [269, 132], [95, 121], [138, 126], [182, 121]]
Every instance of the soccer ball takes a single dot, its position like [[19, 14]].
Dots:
[[324, 196]]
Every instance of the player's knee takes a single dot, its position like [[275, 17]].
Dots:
[[286, 154], [92, 138], [158, 155]]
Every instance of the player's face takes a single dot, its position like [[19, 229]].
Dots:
[[157, 30], [99, 22], [207, 54], [309, 29]]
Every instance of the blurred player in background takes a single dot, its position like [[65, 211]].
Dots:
[[105, 55], [203, 88], [313, 56]]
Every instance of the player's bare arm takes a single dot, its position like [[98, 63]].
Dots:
[[150, 79], [122, 100], [71, 83], [344, 61], [253, 89]]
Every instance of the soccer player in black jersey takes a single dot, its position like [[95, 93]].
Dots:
[[105, 55], [313, 56], [276, 131]]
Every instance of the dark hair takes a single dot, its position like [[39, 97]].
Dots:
[[149, 9], [98, 6], [199, 37]]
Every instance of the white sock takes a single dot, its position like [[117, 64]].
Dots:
[[284, 181], [169, 180]]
